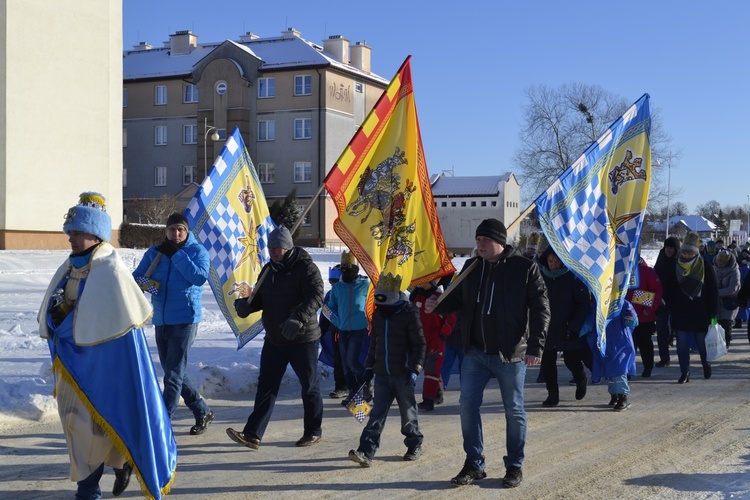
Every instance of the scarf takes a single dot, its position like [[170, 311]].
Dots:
[[553, 274], [690, 276]]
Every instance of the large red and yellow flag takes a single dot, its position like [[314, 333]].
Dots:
[[380, 185]]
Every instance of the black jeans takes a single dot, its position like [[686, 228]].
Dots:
[[574, 360], [644, 344], [273, 362], [663, 335]]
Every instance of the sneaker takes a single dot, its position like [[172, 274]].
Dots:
[[707, 371], [513, 477], [248, 440], [360, 458], [612, 400], [339, 393], [426, 405], [122, 478], [622, 403], [413, 453], [307, 440], [468, 475], [201, 424], [662, 364]]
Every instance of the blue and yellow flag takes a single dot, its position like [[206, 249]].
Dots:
[[593, 214], [380, 185], [229, 216]]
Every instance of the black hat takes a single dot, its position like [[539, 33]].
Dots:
[[179, 220], [492, 229]]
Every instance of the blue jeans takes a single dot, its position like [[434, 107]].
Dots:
[[273, 362], [173, 343], [476, 371], [350, 345], [683, 348], [88, 489], [618, 385], [449, 357], [387, 388]]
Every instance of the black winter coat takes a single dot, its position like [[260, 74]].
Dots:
[[295, 291], [397, 344], [569, 303], [515, 306], [691, 315]]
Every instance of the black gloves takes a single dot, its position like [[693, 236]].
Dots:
[[242, 307], [367, 377], [291, 328], [168, 248]]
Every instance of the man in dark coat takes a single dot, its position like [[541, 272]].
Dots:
[[505, 315], [289, 297]]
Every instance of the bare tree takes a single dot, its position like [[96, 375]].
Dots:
[[156, 210], [560, 123], [710, 210]]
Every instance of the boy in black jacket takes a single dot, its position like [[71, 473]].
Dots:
[[395, 358]]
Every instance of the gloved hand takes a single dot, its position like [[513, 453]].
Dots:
[[242, 307], [367, 378], [413, 376], [168, 248], [291, 328]]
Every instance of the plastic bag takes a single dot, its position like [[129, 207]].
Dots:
[[716, 346]]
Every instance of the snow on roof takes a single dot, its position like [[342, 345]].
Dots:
[[693, 222], [276, 53], [483, 185]]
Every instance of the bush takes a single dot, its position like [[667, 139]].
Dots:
[[140, 235]]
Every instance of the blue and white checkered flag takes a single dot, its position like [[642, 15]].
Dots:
[[229, 216], [593, 213]]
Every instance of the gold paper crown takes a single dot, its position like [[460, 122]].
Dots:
[[541, 242], [348, 259], [389, 283], [93, 200], [692, 239]]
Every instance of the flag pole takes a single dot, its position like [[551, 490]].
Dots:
[[468, 270]]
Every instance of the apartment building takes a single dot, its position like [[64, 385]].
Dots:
[[463, 202], [296, 103]]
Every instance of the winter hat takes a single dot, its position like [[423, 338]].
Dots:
[[177, 219], [334, 273], [281, 238], [89, 216], [722, 258], [388, 291], [348, 259], [692, 241], [672, 242], [492, 229]]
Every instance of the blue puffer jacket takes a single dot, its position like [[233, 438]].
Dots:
[[181, 280]]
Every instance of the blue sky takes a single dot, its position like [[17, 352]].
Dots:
[[471, 66]]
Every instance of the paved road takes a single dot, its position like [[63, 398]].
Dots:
[[676, 441]]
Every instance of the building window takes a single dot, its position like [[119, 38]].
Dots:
[[222, 134], [463, 203], [160, 176], [124, 177], [161, 95], [443, 204], [453, 203], [473, 203], [266, 88], [221, 88], [303, 128], [303, 85], [302, 171], [124, 98], [358, 87], [266, 130], [191, 93], [484, 203], [494, 204], [306, 220], [188, 174], [190, 134], [160, 135], [266, 173]]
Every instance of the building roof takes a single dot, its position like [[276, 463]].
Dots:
[[693, 222], [483, 185], [276, 53]]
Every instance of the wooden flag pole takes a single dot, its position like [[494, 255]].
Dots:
[[468, 270]]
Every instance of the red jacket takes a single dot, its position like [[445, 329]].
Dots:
[[646, 295]]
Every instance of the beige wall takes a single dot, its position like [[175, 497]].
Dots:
[[60, 114]]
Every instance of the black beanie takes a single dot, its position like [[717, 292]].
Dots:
[[672, 242], [177, 218], [492, 229]]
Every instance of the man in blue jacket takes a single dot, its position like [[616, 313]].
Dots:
[[181, 269]]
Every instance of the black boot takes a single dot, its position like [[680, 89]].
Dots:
[[553, 399], [426, 405], [581, 388]]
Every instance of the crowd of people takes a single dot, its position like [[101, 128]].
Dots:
[[506, 311]]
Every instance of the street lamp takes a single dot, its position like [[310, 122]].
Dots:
[[669, 187], [214, 137]]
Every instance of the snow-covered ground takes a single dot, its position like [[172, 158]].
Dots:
[[215, 364]]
